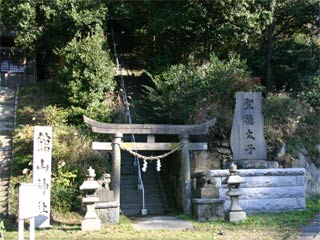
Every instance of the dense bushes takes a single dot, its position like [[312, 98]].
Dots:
[[189, 93], [88, 75], [72, 153]]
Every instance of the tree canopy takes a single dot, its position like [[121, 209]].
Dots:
[[278, 39]]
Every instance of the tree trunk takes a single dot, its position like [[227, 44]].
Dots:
[[270, 38]]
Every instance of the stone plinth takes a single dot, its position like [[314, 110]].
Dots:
[[207, 193], [107, 207], [265, 190], [91, 225], [235, 216], [208, 209], [107, 212], [247, 164]]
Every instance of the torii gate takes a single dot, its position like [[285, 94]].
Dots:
[[183, 131]]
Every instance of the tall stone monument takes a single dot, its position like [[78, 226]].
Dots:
[[248, 144], [42, 154]]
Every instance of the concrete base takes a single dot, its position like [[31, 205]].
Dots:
[[91, 225], [207, 193], [107, 212], [254, 164], [265, 190], [160, 222], [236, 216], [208, 209]]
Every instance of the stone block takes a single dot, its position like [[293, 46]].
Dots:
[[255, 164], [272, 164], [207, 193], [104, 195], [300, 180], [265, 190], [235, 216], [269, 205], [208, 209], [108, 212], [108, 215], [272, 192], [91, 225], [269, 181]]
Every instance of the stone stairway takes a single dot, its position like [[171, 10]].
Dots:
[[131, 196], [7, 101]]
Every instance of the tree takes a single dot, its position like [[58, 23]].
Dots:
[[289, 18], [67, 37], [172, 32]]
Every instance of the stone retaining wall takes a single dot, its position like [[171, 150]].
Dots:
[[265, 190]]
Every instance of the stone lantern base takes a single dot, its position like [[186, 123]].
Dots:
[[91, 225], [236, 216]]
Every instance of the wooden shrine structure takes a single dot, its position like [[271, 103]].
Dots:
[[183, 131]]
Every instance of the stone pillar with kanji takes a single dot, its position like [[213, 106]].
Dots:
[[248, 144]]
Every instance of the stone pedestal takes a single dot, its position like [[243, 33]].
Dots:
[[91, 221], [209, 192], [208, 209], [206, 203], [91, 225], [252, 164], [235, 216], [107, 212], [107, 208]]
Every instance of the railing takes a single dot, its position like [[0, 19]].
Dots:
[[129, 119]]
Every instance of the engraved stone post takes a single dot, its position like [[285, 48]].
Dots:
[[247, 139], [186, 178], [42, 154], [116, 167]]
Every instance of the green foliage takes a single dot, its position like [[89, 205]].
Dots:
[[2, 227], [311, 91], [291, 120], [71, 146], [88, 75], [295, 62], [55, 116], [65, 191], [184, 92], [177, 31]]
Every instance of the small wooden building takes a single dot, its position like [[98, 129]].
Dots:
[[15, 67]]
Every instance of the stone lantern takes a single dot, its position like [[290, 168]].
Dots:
[[91, 221], [235, 212]]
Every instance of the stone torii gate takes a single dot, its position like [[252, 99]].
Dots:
[[183, 131]]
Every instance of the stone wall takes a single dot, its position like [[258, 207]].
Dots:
[[265, 190]]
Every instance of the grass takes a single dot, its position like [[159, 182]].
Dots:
[[269, 226]]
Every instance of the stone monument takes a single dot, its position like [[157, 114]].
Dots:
[[248, 144], [42, 155]]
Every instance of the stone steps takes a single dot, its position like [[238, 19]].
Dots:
[[131, 197], [137, 212], [7, 108]]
